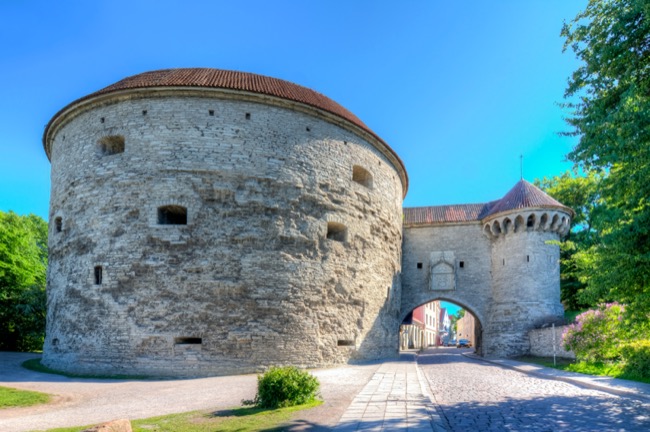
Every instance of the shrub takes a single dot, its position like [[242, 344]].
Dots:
[[596, 334], [636, 357], [284, 387]]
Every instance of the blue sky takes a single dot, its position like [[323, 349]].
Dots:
[[459, 89]]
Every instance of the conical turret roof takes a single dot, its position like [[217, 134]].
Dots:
[[526, 195]]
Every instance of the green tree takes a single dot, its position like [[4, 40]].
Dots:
[[453, 320], [609, 97], [23, 264], [582, 194]]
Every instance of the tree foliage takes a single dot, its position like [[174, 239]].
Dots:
[[610, 102], [582, 194], [23, 264]]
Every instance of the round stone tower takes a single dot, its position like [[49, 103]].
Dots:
[[524, 227], [215, 222]]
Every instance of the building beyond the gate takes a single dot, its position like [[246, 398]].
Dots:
[[215, 222]]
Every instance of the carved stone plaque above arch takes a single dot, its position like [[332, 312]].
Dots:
[[442, 274]]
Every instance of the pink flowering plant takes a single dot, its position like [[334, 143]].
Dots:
[[597, 335]]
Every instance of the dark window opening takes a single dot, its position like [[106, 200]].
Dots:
[[336, 231], [144, 112], [307, 129], [362, 176], [55, 342], [98, 275], [531, 221], [504, 261], [419, 265], [110, 145], [248, 116], [101, 120], [527, 258], [172, 215], [211, 112], [461, 264], [188, 341], [58, 224], [345, 342]]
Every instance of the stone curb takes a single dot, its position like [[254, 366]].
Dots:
[[610, 385]]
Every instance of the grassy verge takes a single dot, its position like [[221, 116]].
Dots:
[[11, 397], [236, 419], [35, 365], [599, 369]]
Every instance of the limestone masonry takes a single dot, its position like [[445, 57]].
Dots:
[[214, 222]]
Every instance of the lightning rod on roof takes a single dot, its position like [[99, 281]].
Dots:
[[521, 166]]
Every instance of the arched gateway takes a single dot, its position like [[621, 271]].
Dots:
[[217, 222], [495, 259]]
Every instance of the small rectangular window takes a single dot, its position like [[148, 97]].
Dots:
[[98, 275], [110, 145], [172, 215], [345, 342], [362, 176], [58, 224], [419, 265], [337, 231], [188, 341], [461, 264]]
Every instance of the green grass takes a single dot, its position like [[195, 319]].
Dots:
[[232, 420], [10, 397], [614, 370], [35, 365]]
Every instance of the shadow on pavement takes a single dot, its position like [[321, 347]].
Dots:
[[549, 414]]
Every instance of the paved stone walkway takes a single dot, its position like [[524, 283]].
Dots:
[[395, 398], [473, 395]]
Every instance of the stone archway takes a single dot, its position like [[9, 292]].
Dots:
[[479, 320]]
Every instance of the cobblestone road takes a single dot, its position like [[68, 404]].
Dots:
[[478, 396]]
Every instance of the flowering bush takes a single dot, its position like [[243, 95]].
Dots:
[[597, 334]]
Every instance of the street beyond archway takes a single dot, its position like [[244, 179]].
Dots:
[[474, 395]]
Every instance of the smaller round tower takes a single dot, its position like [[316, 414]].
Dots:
[[524, 227]]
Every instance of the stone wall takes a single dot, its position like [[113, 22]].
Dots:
[[283, 259], [470, 252], [541, 343], [526, 286]]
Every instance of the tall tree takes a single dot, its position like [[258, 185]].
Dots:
[[582, 194], [610, 99], [23, 263]]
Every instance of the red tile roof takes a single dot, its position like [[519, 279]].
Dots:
[[445, 213], [525, 195], [522, 195], [233, 80]]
